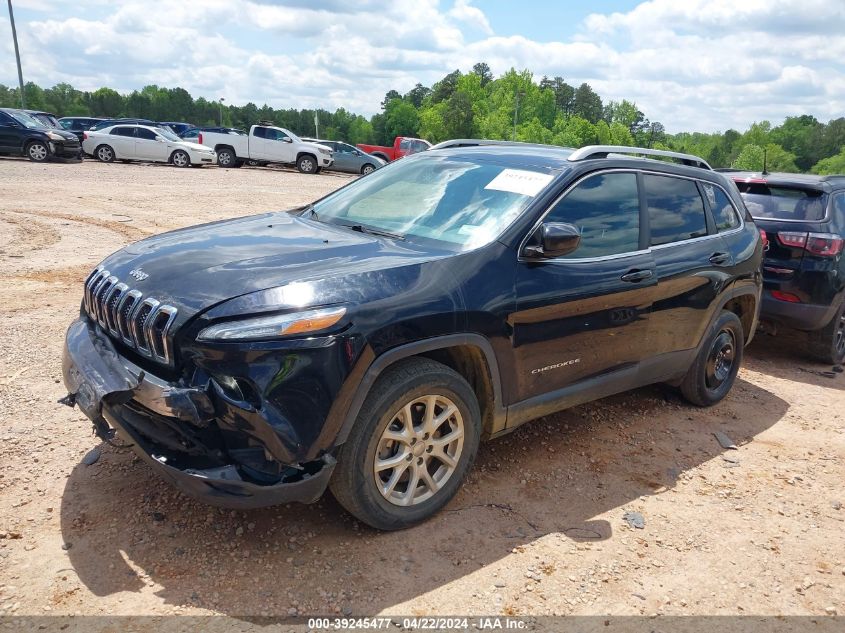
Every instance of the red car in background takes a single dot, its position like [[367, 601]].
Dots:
[[402, 146]]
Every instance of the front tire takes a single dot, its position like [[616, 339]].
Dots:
[[367, 169], [226, 157], [306, 164], [713, 373], [180, 158], [104, 154], [37, 151], [412, 445], [828, 344]]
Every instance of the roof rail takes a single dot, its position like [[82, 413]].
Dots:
[[602, 151]]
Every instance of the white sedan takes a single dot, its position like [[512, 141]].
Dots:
[[145, 142]]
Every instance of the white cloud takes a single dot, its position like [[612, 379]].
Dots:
[[697, 64]]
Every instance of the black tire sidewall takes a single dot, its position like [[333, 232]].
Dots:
[[822, 341], [358, 454], [695, 387], [364, 171]]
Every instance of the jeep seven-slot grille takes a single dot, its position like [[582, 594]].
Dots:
[[141, 323]]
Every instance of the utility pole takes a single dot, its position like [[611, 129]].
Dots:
[[17, 54], [221, 110], [516, 113]]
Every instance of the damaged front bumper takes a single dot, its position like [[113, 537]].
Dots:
[[173, 428]]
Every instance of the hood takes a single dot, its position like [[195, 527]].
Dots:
[[318, 146], [195, 268], [68, 136], [195, 146]]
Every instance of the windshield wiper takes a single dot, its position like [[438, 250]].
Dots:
[[363, 228]]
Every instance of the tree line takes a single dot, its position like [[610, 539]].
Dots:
[[476, 104]]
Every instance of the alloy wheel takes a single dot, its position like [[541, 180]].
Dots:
[[419, 450], [180, 159], [839, 337], [104, 154], [38, 151]]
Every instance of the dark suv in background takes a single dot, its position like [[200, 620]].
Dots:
[[78, 124], [804, 266], [23, 135], [369, 341]]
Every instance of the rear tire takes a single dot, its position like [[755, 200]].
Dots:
[[37, 151], [828, 344], [714, 370], [412, 445], [104, 154], [307, 164]]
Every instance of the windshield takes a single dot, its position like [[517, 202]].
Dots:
[[26, 120], [167, 133], [783, 203], [462, 204]]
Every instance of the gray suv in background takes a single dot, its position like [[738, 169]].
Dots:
[[349, 158]]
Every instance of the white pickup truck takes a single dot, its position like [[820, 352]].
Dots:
[[267, 144]]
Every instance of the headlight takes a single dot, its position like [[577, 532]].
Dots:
[[55, 137], [327, 152], [273, 326]]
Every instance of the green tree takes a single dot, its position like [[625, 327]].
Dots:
[[484, 73], [445, 88], [752, 158], [587, 104], [106, 102], [458, 116], [798, 135], [401, 119], [831, 165]]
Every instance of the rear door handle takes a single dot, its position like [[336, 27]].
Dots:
[[719, 259], [635, 276]]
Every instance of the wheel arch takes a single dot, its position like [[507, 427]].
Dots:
[[304, 152], [381, 155], [471, 355]]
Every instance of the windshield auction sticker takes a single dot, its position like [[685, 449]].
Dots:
[[527, 183]]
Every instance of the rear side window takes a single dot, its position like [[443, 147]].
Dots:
[[260, 132], [783, 203], [675, 209], [122, 131], [606, 209], [723, 209]]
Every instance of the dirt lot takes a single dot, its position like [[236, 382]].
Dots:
[[537, 529]]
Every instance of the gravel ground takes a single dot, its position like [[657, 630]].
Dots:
[[539, 528]]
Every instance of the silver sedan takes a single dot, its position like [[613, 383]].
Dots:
[[349, 158]]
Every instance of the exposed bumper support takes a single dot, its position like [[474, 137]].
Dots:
[[101, 382]]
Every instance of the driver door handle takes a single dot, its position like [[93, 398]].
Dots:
[[720, 259], [635, 276]]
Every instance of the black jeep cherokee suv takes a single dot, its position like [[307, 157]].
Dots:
[[804, 265], [369, 341]]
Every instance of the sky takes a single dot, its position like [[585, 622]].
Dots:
[[694, 65]]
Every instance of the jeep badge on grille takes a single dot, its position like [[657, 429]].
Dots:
[[138, 274]]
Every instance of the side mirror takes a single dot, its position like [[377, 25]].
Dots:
[[160, 139], [552, 239], [287, 139]]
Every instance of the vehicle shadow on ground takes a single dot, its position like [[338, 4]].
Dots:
[[567, 476], [785, 356]]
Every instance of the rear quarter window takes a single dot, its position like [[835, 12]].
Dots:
[[724, 213]]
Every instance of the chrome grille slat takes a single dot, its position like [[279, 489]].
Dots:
[[142, 323]]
